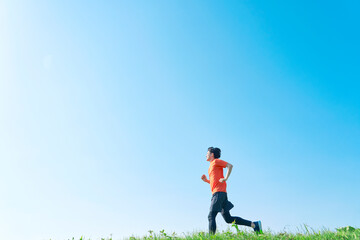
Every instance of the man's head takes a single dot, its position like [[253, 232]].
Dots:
[[213, 153]]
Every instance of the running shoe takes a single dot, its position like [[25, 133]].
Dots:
[[258, 227]]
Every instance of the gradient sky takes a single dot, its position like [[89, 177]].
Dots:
[[107, 110]]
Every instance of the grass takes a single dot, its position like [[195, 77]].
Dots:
[[306, 233]]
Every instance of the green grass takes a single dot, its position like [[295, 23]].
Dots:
[[306, 233]]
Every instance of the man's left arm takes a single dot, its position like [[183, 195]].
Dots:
[[229, 166]]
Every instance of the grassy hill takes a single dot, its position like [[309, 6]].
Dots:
[[308, 233]]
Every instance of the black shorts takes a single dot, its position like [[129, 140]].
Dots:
[[220, 203]]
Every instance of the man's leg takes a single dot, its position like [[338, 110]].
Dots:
[[238, 220], [212, 222]]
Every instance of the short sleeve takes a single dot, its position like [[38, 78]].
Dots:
[[220, 163]]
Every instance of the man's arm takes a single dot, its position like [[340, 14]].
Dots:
[[204, 178], [229, 166]]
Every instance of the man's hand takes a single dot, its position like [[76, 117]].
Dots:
[[222, 180], [203, 177]]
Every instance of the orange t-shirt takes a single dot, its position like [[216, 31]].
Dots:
[[215, 173]]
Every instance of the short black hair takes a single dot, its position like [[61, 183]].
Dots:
[[216, 151]]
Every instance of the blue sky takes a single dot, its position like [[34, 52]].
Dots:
[[107, 110]]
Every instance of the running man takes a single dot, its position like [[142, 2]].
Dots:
[[219, 200]]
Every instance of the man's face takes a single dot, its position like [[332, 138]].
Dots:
[[209, 156]]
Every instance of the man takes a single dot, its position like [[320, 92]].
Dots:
[[219, 200]]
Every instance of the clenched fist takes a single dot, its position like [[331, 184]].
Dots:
[[222, 179], [203, 177]]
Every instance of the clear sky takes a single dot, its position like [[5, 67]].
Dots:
[[107, 110]]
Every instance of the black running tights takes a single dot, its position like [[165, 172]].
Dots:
[[228, 218]]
